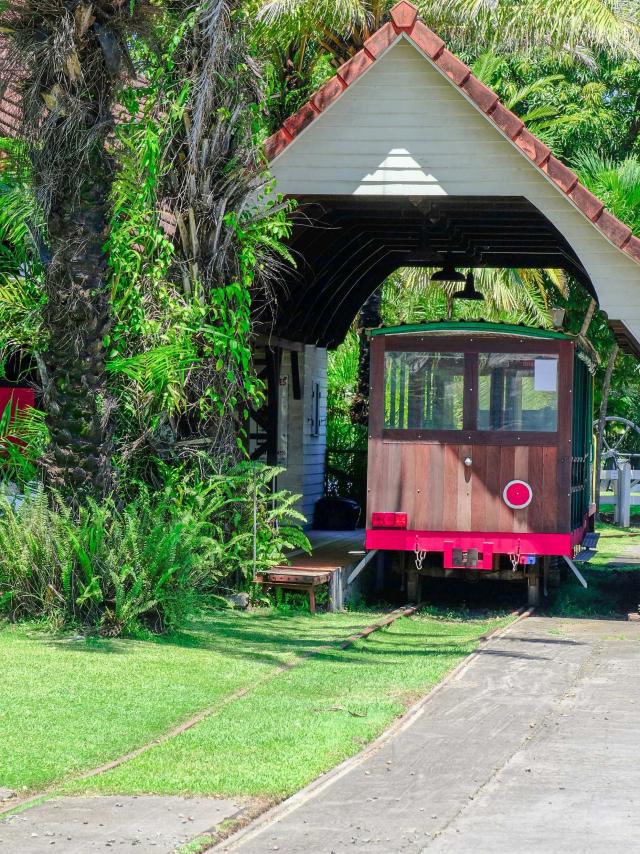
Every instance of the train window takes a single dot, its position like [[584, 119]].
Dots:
[[423, 391], [518, 391]]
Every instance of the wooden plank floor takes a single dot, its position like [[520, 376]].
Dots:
[[331, 548]]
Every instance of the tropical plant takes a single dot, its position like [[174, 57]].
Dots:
[[193, 242], [513, 296], [116, 569], [245, 510], [617, 184], [23, 438], [342, 26], [21, 268], [70, 58], [295, 67], [342, 375]]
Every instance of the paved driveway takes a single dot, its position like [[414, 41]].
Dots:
[[535, 747]]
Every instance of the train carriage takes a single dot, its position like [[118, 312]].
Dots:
[[480, 444]]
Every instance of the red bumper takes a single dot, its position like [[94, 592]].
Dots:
[[487, 544]]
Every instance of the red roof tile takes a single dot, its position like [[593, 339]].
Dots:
[[404, 15], [404, 19]]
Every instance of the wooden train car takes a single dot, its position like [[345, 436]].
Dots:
[[480, 443]]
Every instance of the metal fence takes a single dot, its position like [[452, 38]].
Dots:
[[620, 487]]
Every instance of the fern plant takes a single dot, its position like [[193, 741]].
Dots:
[[23, 438], [112, 569]]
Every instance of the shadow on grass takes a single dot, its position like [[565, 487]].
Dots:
[[275, 639], [611, 593], [257, 637]]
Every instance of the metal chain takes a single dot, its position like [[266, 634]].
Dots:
[[515, 559], [420, 556]]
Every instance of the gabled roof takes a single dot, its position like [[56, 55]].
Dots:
[[405, 22]]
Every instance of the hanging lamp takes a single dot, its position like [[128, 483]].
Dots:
[[469, 291], [447, 274]]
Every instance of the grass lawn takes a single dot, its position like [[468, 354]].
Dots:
[[612, 591], [614, 542], [292, 728], [68, 704]]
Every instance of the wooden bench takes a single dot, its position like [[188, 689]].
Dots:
[[301, 578]]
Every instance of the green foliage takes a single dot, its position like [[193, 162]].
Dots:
[[118, 569], [21, 270], [159, 373], [342, 376], [108, 568], [617, 184], [511, 296], [574, 28], [186, 347], [139, 250], [23, 438], [229, 500]]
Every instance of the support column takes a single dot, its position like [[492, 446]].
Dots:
[[336, 590], [413, 585], [623, 495], [533, 587]]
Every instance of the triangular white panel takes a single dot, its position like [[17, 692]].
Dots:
[[399, 169]]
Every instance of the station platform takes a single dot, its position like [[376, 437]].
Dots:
[[334, 556]]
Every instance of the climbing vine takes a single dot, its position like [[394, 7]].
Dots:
[[180, 350]]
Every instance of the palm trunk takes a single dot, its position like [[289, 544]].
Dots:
[[586, 323], [77, 320], [214, 174], [370, 317], [69, 57]]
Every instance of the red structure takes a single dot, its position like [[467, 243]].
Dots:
[[19, 397]]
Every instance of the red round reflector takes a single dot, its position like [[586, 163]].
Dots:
[[517, 494]]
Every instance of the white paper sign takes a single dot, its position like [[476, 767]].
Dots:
[[545, 376]]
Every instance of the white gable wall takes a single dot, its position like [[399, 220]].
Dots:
[[403, 129]]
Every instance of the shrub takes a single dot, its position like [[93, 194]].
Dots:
[[229, 500], [120, 569], [113, 569]]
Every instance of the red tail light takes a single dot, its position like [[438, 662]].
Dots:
[[389, 520]]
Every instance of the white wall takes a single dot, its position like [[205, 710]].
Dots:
[[403, 129], [306, 451]]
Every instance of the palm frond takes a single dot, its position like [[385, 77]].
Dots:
[[159, 372]]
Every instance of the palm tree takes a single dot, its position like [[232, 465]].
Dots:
[[211, 187], [616, 183], [515, 296], [70, 58], [290, 74], [342, 26]]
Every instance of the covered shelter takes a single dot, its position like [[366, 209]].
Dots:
[[402, 159]]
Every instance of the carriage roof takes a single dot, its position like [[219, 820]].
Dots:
[[463, 327], [584, 348]]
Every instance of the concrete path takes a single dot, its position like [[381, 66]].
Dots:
[[145, 825], [535, 747]]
